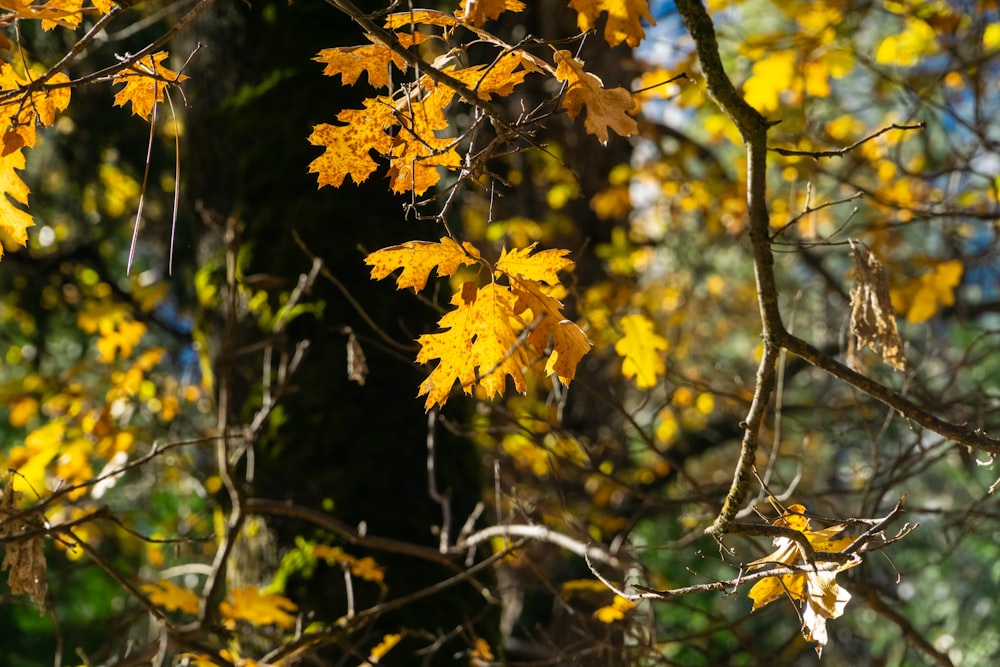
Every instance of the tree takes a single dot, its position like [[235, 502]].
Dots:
[[683, 322]]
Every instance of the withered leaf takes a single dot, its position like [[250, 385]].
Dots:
[[873, 322]]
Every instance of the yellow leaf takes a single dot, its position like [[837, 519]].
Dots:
[[417, 151], [905, 49], [624, 18], [771, 76], [614, 611], [14, 221], [172, 597], [21, 410], [934, 290], [418, 258], [145, 82], [383, 647], [605, 108], [123, 338], [375, 59], [479, 344], [569, 343], [991, 37], [542, 266], [641, 348], [478, 12], [420, 17], [498, 78], [248, 604], [348, 147]]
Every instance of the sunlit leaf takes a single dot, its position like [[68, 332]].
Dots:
[[249, 604], [606, 109], [145, 83]]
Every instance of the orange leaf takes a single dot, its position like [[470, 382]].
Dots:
[[605, 108], [418, 258]]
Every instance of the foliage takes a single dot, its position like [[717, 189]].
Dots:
[[753, 270]]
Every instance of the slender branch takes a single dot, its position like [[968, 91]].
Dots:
[[753, 128], [840, 152], [960, 433]]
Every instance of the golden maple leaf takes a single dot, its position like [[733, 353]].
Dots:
[[145, 82], [348, 147], [605, 108], [14, 221], [624, 19], [815, 589], [172, 597], [641, 346], [249, 604], [478, 12], [496, 330], [375, 59], [418, 259], [499, 78], [542, 266], [417, 151], [569, 343], [479, 344]]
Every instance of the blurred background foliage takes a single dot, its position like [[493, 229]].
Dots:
[[102, 366]]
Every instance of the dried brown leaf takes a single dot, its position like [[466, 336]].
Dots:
[[873, 321]]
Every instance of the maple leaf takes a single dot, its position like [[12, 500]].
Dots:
[[641, 348], [418, 258], [817, 590], [14, 221], [605, 108], [624, 18], [417, 151], [172, 597], [569, 343], [420, 17], [478, 12], [249, 604], [500, 78], [479, 344], [26, 111], [145, 82], [542, 266], [348, 147], [375, 59]]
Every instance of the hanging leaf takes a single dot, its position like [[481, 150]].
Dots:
[[873, 322], [605, 108], [815, 590], [145, 83]]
